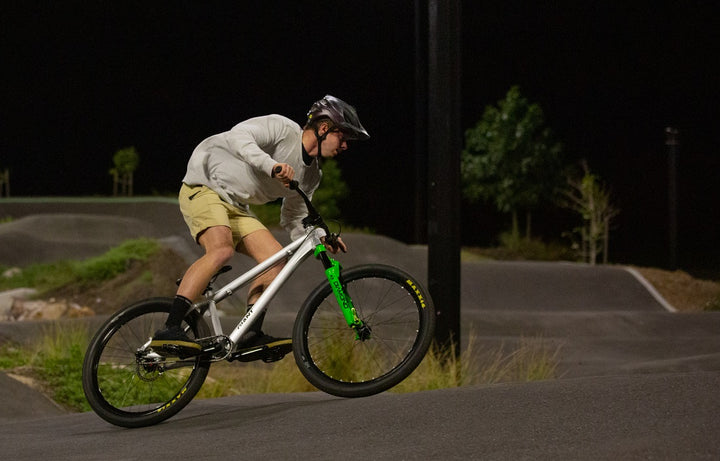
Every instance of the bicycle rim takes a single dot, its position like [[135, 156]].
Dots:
[[133, 390], [400, 316]]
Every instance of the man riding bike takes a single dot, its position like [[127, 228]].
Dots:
[[252, 164]]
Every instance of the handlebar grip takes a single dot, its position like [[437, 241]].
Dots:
[[293, 185]]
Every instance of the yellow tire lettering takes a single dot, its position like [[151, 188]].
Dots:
[[172, 402], [417, 292]]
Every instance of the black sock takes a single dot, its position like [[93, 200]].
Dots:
[[177, 313]]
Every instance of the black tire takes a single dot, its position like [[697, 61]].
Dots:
[[396, 308], [131, 391]]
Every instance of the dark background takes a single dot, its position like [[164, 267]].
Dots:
[[82, 80]]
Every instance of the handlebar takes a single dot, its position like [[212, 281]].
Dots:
[[313, 218]]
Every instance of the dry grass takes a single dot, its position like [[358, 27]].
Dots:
[[681, 290], [254, 378], [531, 359]]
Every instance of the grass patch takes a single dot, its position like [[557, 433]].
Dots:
[[53, 364], [532, 359], [42, 277], [58, 363], [12, 356], [529, 360], [227, 379], [116, 260], [50, 276]]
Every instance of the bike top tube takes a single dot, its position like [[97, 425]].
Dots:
[[256, 271]]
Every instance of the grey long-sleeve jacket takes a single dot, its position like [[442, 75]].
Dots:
[[237, 164]]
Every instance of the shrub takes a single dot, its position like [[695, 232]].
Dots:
[[116, 260], [49, 276]]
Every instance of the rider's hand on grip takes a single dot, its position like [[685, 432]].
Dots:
[[334, 243], [283, 173]]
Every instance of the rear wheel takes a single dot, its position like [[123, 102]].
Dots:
[[400, 322], [130, 386]]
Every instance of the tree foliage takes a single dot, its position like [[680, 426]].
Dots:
[[591, 199], [510, 158], [125, 162], [332, 190]]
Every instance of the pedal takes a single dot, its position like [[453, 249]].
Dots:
[[264, 353], [175, 350], [207, 347], [273, 354]]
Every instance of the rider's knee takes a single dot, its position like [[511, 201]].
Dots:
[[221, 255]]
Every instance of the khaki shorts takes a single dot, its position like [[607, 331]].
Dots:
[[203, 208]]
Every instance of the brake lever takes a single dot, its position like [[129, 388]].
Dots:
[[332, 239]]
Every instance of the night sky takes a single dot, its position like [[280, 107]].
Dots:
[[83, 80]]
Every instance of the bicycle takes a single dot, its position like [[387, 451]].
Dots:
[[359, 333]]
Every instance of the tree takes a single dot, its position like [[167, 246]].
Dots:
[[331, 191], [511, 159], [125, 163], [590, 198], [5, 182]]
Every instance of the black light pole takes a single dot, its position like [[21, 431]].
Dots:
[[444, 145], [672, 143], [421, 120]]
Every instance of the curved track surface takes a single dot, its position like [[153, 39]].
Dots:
[[636, 381]]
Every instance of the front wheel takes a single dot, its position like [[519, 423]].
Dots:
[[129, 385], [400, 322]]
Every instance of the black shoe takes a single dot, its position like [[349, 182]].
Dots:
[[259, 346], [174, 340], [259, 339]]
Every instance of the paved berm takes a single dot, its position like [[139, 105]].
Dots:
[[635, 379]]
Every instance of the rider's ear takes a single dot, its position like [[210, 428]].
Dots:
[[323, 128]]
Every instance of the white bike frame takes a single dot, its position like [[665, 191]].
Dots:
[[295, 253]]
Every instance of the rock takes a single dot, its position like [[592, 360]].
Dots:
[[76, 311], [12, 272], [22, 309], [7, 298], [37, 310]]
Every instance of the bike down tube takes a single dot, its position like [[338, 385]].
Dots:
[[304, 248]]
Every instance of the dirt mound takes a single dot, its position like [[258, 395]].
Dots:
[[143, 279]]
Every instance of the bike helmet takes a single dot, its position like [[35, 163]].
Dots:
[[342, 114]]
